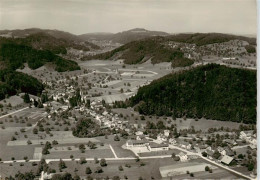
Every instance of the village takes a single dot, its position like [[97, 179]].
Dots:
[[200, 147]]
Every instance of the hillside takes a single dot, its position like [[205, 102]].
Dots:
[[142, 50], [201, 39], [12, 82], [44, 35], [123, 37], [13, 56], [211, 91], [184, 49]]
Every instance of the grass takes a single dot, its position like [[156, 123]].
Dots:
[[159, 153]]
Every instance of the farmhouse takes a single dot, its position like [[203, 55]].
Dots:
[[182, 156], [158, 147]]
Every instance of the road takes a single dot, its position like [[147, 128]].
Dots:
[[6, 115], [212, 162], [132, 158]]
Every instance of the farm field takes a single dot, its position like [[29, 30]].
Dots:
[[202, 124]]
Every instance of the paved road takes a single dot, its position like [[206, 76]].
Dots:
[[13, 112]]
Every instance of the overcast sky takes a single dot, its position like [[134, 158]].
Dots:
[[173, 16]]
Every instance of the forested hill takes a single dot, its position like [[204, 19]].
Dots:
[[142, 50], [59, 36], [211, 91], [201, 39], [13, 56], [12, 82]]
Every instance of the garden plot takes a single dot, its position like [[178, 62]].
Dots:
[[37, 153], [178, 169]]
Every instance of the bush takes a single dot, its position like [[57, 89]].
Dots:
[[103, 163], [88, 170], [120, 168], [206, 168], [99, 170]]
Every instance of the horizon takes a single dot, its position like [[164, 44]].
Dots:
[[112, 33], [81, 17]]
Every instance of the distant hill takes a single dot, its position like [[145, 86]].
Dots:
[[123, 37], [14, 55], [201, 39], [211, 91], [35, 34], [180, 49], [142, 50]]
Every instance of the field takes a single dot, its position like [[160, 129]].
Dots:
[[202, 124], [150, 169], [159, 153]]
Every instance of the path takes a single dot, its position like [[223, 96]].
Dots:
[[13, 112], [113, 151]]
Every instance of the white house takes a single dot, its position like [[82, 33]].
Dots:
[[183, 157], [166, 133]]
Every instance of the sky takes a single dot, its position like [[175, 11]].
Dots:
[[172, 16]]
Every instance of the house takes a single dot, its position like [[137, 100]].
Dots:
[[45, 175], [231, 142], [184, 144], [226, 159], [172, 141], [136, 143], [161, 137], [229, 152], [252, 146], [140, 137], [210, 153], [183, 157], [222, 151], [138, 133], [158, 147], [166, 133]]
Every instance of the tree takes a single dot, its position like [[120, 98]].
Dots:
[[103, 163], [206, 168], [88, 170], [62, 164], [177, 158], [82, 148], [120, 168], [99, 170], [91, 145], [82, 160], [35, 131], [116, 138], [204, 154], [26, 98], [173, 155]]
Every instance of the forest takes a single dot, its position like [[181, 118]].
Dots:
[[211, 91], [12, 82], [14, 56]]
